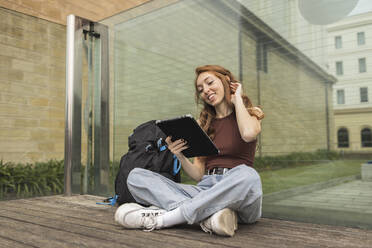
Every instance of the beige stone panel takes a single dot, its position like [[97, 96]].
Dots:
[[39, 102], [5, 122], [52, 123], [41, 69], [59, 146], [57, 135], [18, 146], [57, 103], [12, 99], [24, 89], [38, 133], [11, 74], [295, 116], [56, 114], [5, 61], [58, 84], [21, 123], [58, 93], [5, 86], [23, 65], [6, 133], [8, 110], [57, 74], [10, 30], [12, 157], [20, 53], [15, 111], [36, 79], [46, 146]]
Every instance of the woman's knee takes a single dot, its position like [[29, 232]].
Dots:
[[136, 175], [248, 174]]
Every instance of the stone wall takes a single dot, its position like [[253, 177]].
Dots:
[[32, 83], [295, 104]]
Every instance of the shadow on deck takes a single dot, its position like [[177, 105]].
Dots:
[[58, 221]]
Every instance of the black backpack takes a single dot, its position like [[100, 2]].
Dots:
[[147, 149]]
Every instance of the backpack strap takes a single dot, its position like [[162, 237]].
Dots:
[[176, 165], [176, 162], [109, 201], [160, 146]]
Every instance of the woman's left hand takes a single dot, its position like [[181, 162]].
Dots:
[[236, 91]]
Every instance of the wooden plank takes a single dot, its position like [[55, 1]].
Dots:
[[80, 214], [32, 235], [289, 233], [111, 234], [183, 232], [11, 243]]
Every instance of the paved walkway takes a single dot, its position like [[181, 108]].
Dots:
[[354, 196], [77, 221], [348, 203]]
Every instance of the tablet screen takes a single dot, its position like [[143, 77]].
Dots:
[[186, 127]]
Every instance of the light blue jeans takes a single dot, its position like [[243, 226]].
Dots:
[[239, 189]]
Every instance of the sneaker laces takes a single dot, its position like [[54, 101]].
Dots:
[[148, 220], [148, 223]]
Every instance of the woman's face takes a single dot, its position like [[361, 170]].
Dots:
[[210, 88]]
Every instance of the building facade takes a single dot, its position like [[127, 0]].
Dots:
[[350, 60]]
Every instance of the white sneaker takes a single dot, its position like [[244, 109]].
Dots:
[[223, 222], [133, 215]]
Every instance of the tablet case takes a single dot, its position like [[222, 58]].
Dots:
[[186, 127]]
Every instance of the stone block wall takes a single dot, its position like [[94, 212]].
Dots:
[[32, 83], [294, 99]]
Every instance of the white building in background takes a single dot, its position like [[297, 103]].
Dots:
[[285, 18], [350, 60]]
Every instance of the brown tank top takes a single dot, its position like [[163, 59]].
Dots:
[[233, 149]]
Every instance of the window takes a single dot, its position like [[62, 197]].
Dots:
[[362, 65], [366, 137], [338, 42], [343, 137], [262, 56], [361, 40], [364, 94], [339, 69], [340, 97]]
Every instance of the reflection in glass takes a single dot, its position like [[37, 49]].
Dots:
[[310, 147]]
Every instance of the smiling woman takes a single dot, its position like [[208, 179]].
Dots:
[[229, 188]]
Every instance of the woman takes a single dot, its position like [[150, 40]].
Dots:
[[230, 191]]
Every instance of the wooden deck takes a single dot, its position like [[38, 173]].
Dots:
[[58, 221]]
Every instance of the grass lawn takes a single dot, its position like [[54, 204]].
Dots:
[[276, 180], [280, 179]]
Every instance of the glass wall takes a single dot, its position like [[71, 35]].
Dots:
[[287, 56]]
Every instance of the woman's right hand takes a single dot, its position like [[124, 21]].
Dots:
[[177, 146]]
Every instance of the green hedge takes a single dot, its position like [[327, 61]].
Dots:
[[25, 180], [294, 159]]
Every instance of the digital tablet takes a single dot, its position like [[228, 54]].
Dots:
[[186, 127]]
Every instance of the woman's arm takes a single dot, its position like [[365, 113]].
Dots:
[[249, 126], [194, 170]]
